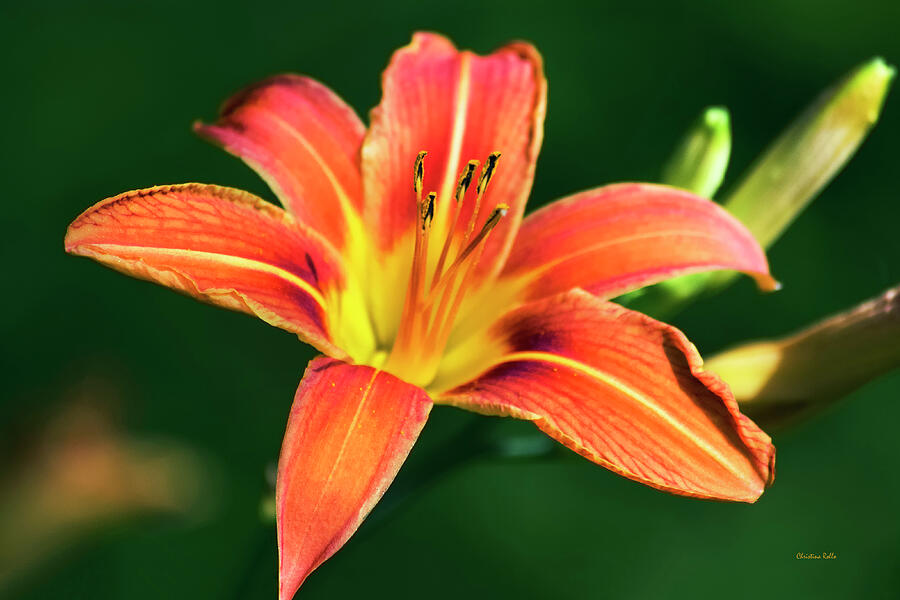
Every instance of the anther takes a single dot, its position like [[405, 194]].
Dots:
[[427, 208], [465, 180], [487, 172], [419, 172]]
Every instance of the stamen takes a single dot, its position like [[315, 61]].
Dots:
[[427, 208], [492, 221], [419, 172], [498, 213], [442, 334], [487, 172], [429, 313], [412, 291], [420, 258], [465, 180]]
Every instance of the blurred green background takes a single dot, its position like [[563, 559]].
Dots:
[[99, 97]]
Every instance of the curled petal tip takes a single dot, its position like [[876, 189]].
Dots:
[[621, 237], [767, 283]]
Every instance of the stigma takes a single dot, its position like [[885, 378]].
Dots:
[[435, 294]]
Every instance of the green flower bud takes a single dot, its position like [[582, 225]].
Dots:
[[782, 380], [810, 152], [699, 162]]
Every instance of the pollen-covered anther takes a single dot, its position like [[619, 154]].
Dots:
[[427, 209], [487, 172], [465, 180], [419, 172]]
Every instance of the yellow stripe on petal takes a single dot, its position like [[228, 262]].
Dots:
[[232, 249], [458, 129], [637, 396], [622, 390], [216, 260]]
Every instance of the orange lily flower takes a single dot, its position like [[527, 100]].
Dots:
[[419, 280]]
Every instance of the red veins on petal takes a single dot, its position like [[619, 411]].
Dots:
[[457, 106], [350, 429], [617, 238], [626, 392], [219, 245], [304, 141]]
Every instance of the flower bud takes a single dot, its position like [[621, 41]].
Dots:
[[781, 380], [698, 164], [810, 152]]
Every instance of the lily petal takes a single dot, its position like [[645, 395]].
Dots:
[[697, 165], [778, 381], [219, 245], [304, 141], [457, 106], [624, 391], [787, 177], [622, 237], [350, 429]]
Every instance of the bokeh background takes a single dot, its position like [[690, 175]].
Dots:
[[110, 379]]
